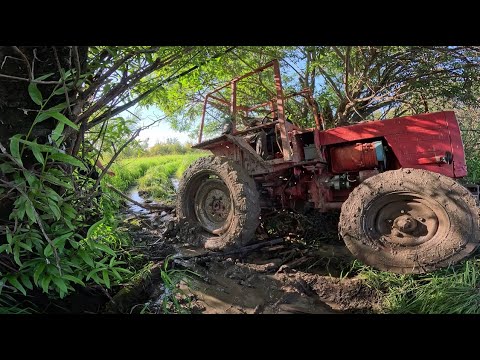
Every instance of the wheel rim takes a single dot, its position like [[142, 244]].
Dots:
[[213, 205], [405, 219]]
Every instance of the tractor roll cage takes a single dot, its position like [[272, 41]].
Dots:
[[276, 106]]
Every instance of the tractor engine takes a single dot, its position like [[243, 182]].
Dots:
[[354, 163], [325, 185]]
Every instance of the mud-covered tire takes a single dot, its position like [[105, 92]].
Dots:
[[380, 225], [218, 175]]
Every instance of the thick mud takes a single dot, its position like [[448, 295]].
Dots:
[[301, 270]]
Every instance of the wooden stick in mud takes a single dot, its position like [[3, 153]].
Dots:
[[145, 206], [241, 250]]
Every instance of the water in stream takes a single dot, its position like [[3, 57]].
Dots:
[[134, 195]]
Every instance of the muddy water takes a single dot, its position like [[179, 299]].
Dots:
[[175, 183], [134, 195]]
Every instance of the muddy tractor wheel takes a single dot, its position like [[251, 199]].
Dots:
[[410, 221], [220, 199]]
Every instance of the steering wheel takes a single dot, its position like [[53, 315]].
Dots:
[[266, 118]]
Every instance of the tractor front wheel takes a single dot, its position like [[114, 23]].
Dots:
[[410, 221], [218, 197]]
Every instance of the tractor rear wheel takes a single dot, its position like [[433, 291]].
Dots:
[[218, 197], [410, 221]]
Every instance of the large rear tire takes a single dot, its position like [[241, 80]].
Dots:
[[218, 197], [410, 221]]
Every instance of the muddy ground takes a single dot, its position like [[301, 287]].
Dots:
[[296, 265]]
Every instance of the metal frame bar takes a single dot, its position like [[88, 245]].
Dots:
[[276, 105]]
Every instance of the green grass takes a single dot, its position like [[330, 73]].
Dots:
[[152, 174], [453, 290]]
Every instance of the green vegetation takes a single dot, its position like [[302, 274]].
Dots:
[[447, 291], [152, 174], [57, 240], [174, 300]]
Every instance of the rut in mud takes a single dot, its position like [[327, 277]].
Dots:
[[295, 266]]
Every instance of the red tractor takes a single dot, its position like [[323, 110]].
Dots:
[[393, 181]]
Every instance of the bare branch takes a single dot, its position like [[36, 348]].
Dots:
[[76, 60], [28, 80], [30, 72], [59, 67]]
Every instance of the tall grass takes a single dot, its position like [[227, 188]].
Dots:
[[151, 174], [453, 290]]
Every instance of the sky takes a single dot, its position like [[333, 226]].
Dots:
[[158, 132]]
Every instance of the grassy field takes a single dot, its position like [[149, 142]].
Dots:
[[152, 174]]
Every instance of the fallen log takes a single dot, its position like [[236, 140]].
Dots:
[[243, 250], [137, 291]]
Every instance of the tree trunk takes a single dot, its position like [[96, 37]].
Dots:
[[17, 110]]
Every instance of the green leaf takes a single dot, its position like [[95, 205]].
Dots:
[[57, 132], [73, 242], [62, 294], [44, 115], [5, 247], [37, 272], [105, 248], [43, 77], [86, 257], [6, 168], [55, 209], [52, 179], [69, 160], [9, 236], [59, 91], [15, 147], [58, 107], [52, 194], [60, 284], [97, 279], [117, 275], [48, 250], [45, 282], [41, 147], [69, 210], [25, 246], [31, 179], [16, 255], [34, 93], [38, 155], [26, 281], [62, 118], [74, 279], [106, 278], [126, 271], [92, 273], [21, 211], [30, 211], [70, 226], [94, 227], [59, 242], [13, 280]]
